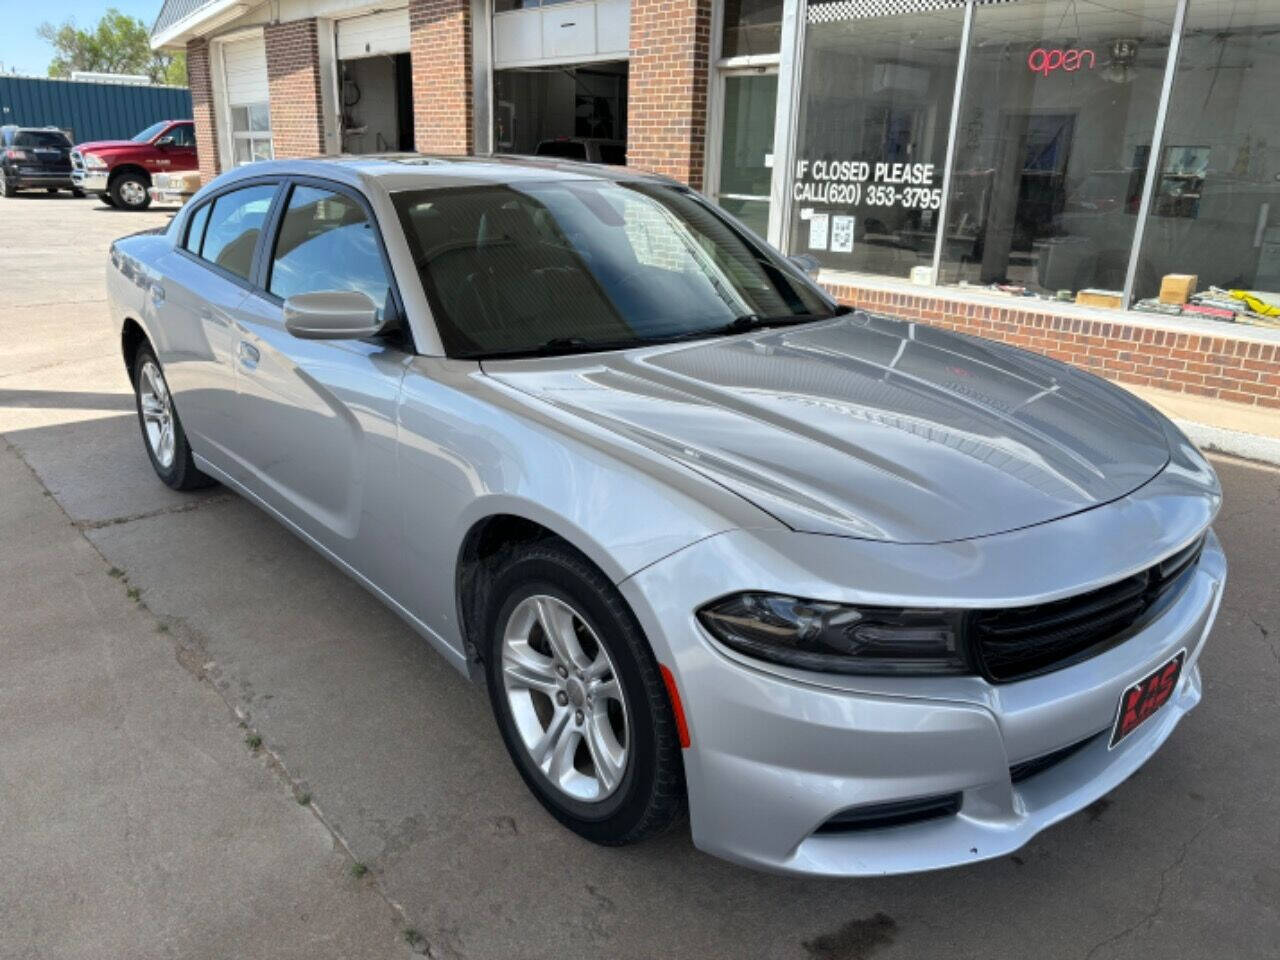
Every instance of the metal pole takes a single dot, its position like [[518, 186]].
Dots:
[[1157, 147], [790, 65], [957, 102]]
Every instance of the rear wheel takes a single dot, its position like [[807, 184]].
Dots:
[[579, 698], [106, 198], [129, 191], [7, 186], [51, 189], [162, 431]]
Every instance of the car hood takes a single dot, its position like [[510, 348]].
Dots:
[[869, 427], [94, 146]]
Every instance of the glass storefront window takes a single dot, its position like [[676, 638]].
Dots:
[[750, 101], [1052, 144], [1215, 209], [751, 28], [874, 112]]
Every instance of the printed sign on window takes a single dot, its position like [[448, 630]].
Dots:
[[842, 234], [818, 225]]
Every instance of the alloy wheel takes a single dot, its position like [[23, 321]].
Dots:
[[157, 413], [565, 698]]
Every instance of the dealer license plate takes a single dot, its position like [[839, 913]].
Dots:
[[1144, 698]]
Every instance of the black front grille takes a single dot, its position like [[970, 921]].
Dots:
[[1029, 768], [1021, 642], [874, 816]]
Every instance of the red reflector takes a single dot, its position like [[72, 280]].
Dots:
[[682, 725]]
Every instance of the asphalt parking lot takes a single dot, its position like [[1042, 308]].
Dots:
[[146, 635]]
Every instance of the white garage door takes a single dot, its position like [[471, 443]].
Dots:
[[374, 34], [245, 63]]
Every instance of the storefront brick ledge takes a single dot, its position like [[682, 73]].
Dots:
[[1239, 364]]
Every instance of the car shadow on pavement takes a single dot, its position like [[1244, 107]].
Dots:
[[401, 757]]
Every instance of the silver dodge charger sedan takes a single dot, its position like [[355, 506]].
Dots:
[[860, 595]]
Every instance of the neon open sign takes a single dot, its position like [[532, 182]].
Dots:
[[1045, 62]]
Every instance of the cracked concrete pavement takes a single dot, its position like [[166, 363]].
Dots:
[[139, 824]]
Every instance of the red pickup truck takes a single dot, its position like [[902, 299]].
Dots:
[[120, 171]]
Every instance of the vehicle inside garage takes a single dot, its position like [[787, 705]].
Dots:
[[564, 102]]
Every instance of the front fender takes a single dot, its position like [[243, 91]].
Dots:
[[472, 449]]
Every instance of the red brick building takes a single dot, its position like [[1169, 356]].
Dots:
[[1110, 198]]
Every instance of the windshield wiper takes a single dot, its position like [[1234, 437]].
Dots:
[[561, 346], [754, 321]]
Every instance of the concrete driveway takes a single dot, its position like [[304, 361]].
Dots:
[[139, 628]]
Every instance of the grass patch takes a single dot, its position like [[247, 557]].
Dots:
[[304, 799], [115, 572], [413, 938], [134, 594], [253, 741], [358, 870]]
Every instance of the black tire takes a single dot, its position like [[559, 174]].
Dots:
[[106, 198], [129, 191], [77, 192], [51, 190], [650, 796], [7, 187], [181, 473]]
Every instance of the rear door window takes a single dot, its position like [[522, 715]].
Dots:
[[235, 222], [195, 229]]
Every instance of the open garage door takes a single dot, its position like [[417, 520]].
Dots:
[[375, 83]]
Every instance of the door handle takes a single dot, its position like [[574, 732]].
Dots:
[[248, 354]]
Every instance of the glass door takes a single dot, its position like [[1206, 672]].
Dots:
[[748, 103]]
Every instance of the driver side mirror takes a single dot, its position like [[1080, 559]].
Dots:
[[332, 315], [808, 263]]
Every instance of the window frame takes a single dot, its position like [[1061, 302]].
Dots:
[[264, 254], [189, 214]]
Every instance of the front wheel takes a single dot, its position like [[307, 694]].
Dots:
[[129, 191], [579, 698], [106, 199], [162, 431]]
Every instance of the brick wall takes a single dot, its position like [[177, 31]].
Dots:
[[200, 80], [293, 77], [667, 87], [440, 55], [1231, 368]]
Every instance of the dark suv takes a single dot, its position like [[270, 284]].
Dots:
[[35, 157]]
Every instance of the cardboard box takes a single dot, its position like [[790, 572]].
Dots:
[[1112, 299], [1177, 287]]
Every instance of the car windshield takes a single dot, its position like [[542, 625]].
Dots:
[[41, 138], [145, 136], [574, 265]]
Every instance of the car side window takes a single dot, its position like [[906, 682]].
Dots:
[[184, 135], [235, 221], [195, 229], [326, 242]]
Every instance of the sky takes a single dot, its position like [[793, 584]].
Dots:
[[23, 51]]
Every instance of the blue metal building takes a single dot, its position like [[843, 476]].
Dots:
[[89, 111]]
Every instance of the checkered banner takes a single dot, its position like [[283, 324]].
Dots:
[[863, 9]]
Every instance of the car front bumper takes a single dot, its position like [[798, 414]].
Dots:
[[168, 195], [775, 753], [90, 181]]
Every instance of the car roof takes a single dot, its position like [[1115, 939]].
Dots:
[[394, 172]]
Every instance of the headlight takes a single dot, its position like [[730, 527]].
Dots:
[[94, 162], [836, 638]]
